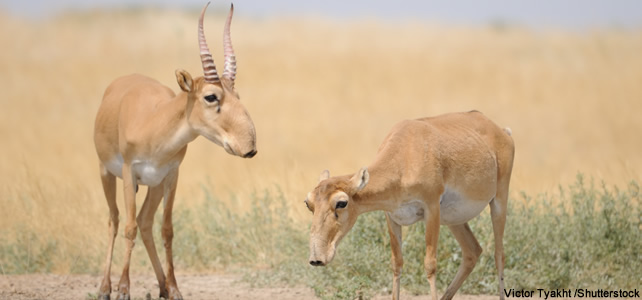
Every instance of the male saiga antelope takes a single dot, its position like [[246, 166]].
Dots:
[[443, 171], [141, 134]]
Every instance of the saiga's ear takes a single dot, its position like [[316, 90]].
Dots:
[[360, 180], [324, 175], [184, 80]]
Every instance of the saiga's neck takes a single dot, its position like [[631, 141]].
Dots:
[[170, 132], [381, 191]]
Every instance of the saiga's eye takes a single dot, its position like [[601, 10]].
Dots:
[[211, 98]]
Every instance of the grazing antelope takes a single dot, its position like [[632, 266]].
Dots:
[[443, 171], [141, 134]]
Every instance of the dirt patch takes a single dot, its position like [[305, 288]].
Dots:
[[65, 287], [195, 287]]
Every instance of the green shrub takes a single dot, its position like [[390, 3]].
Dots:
[[26, 254]]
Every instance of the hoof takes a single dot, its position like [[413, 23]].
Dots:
[[123, 297], [176, 296], [104, 297]]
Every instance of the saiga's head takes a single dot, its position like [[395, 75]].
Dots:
[[334, 213], [214, 109]]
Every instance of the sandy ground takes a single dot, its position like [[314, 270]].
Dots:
[[196, 287], [61, 287]]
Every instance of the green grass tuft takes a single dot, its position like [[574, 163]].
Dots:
[[585, 237], [582, 236]]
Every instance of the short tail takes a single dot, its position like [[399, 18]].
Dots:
[[508, 131]]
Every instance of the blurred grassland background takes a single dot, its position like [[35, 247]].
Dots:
[[322, 94]]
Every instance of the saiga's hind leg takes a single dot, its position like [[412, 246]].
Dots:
[[498, 209], [470, 249], [109, 188]]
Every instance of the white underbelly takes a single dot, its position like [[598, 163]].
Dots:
[[150, 174], [145, 172], [408, 213], [454, 208], [115, 166]]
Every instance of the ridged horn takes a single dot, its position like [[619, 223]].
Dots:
[[209, 68], [230, 59]]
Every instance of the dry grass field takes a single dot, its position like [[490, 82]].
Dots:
[[322, 95]]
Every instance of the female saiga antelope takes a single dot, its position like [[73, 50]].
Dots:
[[440, 170], [141, 134]]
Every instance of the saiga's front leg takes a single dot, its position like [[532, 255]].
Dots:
[[431, 215], [146, 222], [394, 230], [129, 185], [168, 234]]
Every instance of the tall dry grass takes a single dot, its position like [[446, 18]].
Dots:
[[322, 95]]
